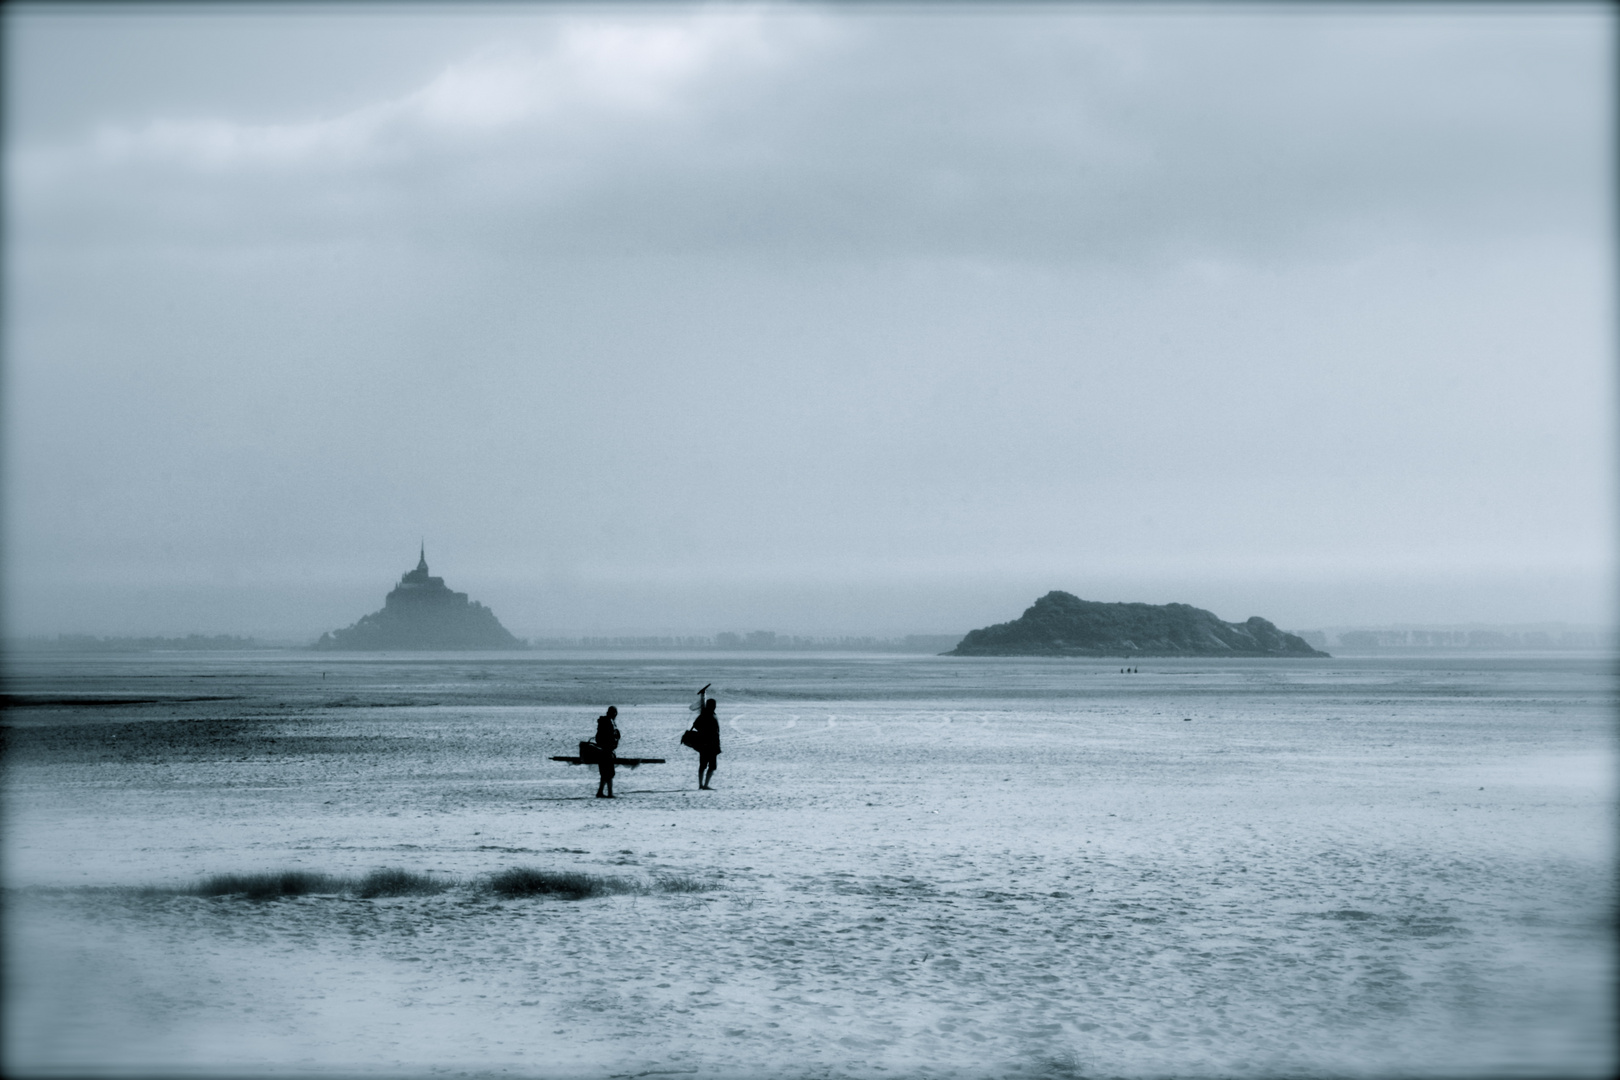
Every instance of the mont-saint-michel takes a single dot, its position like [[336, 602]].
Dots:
[[422, 613], [1062, 624]]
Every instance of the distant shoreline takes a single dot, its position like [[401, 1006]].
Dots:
[[69, 645], [722, 643]]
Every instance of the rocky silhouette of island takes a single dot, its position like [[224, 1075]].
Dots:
[[1061, 624], [421, 613]]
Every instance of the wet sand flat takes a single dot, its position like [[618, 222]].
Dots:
[[915, 866]]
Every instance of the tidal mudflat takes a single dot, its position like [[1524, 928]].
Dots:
[[908, 866]]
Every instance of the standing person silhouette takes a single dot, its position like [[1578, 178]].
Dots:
[[707, 726], [607, 741]]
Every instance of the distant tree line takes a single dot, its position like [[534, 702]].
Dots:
[[92, 643], [1497, 638], [761, 640]]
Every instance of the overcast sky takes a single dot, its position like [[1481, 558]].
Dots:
[[814, 319]]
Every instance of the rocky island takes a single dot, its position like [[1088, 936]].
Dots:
[[421, 613], [1061, 624]]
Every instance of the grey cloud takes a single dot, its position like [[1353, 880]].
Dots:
[[814, 303], [975, 136]]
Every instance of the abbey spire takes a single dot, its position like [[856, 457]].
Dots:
[[422, 613]]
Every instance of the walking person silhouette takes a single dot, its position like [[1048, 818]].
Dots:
[[707, 743], [607, 741]]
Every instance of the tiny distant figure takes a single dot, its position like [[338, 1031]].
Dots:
[[607, 741], [706, 741]]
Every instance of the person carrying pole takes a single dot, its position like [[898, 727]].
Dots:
[[706, 741]]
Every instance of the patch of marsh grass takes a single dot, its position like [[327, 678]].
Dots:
[[392, 881], [567, 884], [519, 881], [269, 886]]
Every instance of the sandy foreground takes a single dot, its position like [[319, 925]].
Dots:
[[919, 867]]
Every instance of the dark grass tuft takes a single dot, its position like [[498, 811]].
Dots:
[[570, 885], [386, 882], [269, 886], [519, 881], [393, 881]]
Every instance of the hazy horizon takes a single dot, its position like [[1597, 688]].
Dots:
[[821, 320]]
